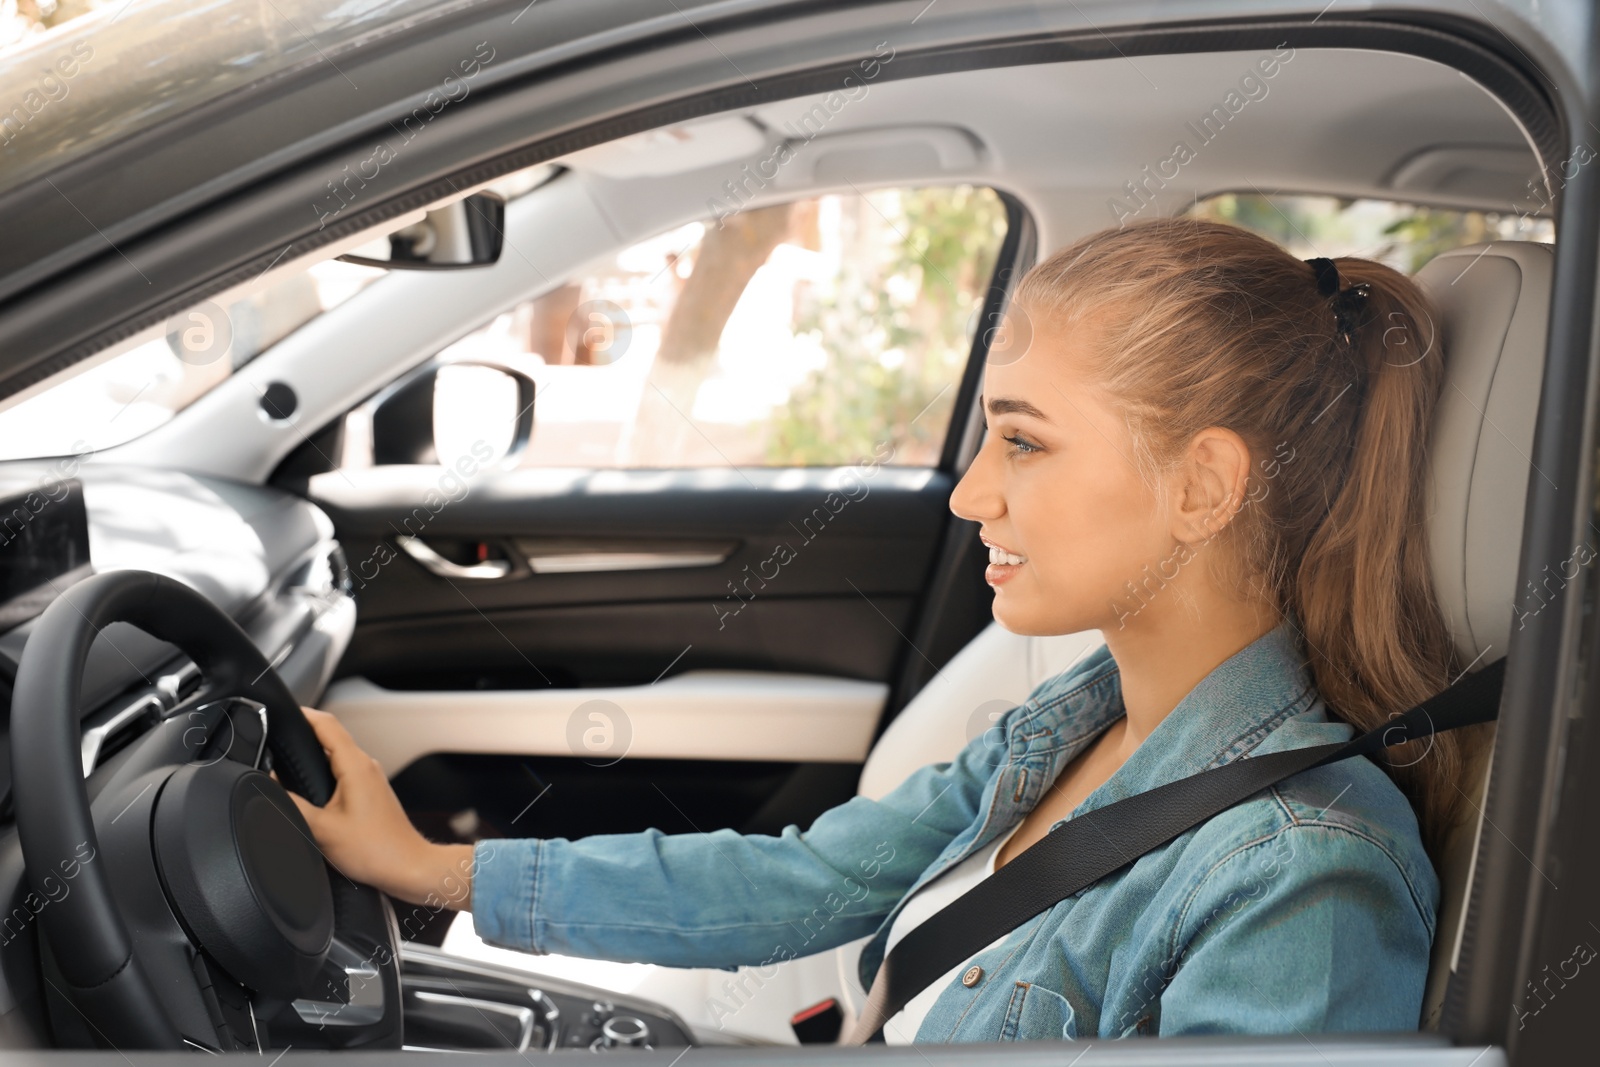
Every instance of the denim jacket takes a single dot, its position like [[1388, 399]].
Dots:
[[1307, 908]]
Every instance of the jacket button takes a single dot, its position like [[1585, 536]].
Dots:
[[973, 976]]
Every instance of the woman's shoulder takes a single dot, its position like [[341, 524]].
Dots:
[[1343, 823]]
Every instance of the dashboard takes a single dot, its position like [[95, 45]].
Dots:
[[267, 558], [44, 546], [271, 561]]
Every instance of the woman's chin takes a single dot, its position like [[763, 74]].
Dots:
[[1035, 620]]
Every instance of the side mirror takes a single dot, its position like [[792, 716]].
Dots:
[[468, 233], [444, 411]]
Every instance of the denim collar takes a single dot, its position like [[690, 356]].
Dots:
[[1227, 714]]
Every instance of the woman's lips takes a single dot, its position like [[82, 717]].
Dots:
[[1003, 563], [995, 573]]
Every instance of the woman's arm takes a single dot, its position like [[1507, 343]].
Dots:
[[716, 899], [1311, 929]]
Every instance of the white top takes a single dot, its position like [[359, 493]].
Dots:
[[902, 1026]]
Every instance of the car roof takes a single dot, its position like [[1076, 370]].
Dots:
[[124, 68]]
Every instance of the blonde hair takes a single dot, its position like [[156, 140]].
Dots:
[[1198, 323]]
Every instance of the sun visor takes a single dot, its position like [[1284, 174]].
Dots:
[[1470, 174], [880, 154]]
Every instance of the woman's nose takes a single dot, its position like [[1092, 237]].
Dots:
[[976, 496]]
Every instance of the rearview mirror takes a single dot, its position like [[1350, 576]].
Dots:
[[467, 233]]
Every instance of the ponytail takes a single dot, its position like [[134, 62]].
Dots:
[[1363, 589], [1215, 326]]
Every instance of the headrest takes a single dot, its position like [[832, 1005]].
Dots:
[[1494, 300]]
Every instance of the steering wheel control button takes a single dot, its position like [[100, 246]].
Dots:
[[244, 875], [972, 977]]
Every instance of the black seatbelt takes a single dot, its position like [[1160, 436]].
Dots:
[[1085, 849]]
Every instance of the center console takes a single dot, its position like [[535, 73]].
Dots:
[[452, 1004]]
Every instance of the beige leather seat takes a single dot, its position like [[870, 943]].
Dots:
[[1494, 300], [1495, 303]]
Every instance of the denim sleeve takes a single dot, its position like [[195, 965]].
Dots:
[[1311, 928], [724, 899]]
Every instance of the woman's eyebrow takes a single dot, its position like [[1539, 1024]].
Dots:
[[1007, 405]]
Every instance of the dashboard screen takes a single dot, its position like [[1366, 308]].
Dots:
[[43, 538]]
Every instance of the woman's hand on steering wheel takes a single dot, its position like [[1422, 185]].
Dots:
[[365, 834]]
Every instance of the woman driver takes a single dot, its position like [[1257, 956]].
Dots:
[[1213, 453]]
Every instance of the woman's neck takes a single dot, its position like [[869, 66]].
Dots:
[[1166, 655]]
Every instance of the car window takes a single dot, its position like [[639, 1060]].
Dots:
[[101, 403], [808, 333], [1405, 236], [108, 402]]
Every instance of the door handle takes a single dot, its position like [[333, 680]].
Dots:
[[418, 549]]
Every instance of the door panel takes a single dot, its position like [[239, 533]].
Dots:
[[756, 715], [824, 577], [553, 796], [626, 643], [749, 690]]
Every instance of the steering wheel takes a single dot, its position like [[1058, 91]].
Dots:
[[187, 904]]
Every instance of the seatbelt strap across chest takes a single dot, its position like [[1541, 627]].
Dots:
[[1085, 849]]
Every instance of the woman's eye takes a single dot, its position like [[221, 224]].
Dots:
[[1020, 444]]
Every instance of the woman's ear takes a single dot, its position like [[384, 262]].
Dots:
[[1213, 484]]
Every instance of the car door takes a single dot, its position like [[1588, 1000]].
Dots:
[[685, 596], [1535, 829]]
